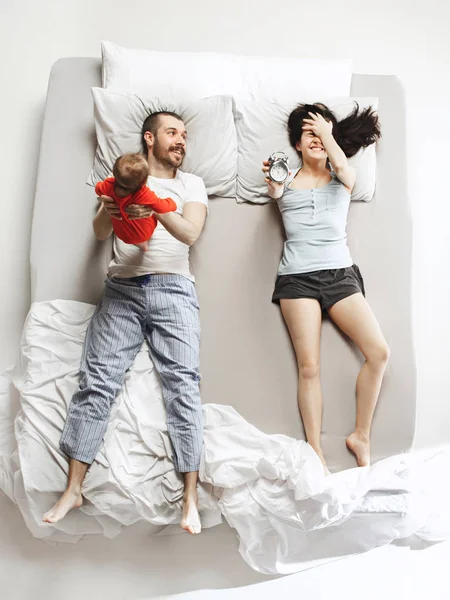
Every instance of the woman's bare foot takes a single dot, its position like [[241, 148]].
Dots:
[[190, 519], [359, 444], [70, 499]]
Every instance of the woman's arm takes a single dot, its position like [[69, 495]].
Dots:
[[323, 129]]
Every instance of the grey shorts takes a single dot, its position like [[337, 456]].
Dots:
[[328, 286]]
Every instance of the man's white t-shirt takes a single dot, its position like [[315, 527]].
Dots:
[[165, 253]]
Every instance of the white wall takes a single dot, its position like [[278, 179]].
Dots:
[[408, 38]]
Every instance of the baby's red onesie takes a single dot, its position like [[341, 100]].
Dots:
[[135, 231]]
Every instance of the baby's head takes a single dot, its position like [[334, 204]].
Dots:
[[130, 171]]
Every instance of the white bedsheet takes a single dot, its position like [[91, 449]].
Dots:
[[271, 489]]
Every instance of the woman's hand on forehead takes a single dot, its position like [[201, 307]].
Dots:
[[318, 125]]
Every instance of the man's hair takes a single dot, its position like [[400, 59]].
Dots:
[[151, 124], [131, 171]]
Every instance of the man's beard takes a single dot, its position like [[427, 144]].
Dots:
[[164, 157]]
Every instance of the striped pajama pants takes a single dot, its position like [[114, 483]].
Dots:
[[162, 309]]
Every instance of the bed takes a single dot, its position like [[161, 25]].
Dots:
[[246, 355], [249, 375]]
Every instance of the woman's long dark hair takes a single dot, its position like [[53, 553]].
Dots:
[[358, 130]]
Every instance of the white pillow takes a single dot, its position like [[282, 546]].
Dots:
[[262, 129], [211, 144], [171, 75], [286, 79], [186, 75]]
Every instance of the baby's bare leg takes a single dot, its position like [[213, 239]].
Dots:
[[143, 246]]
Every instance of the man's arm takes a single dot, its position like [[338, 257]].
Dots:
[[102, 223], [157, 204], [187, 227]]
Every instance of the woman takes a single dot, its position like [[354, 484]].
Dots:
[[317, 273]]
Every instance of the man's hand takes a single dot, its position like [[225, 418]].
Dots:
[[111, 207], [138, 211]]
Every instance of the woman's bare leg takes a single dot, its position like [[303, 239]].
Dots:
[[356, 319], [303, 318]]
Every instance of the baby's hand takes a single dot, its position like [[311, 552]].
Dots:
[[275, 189], [111, 207]]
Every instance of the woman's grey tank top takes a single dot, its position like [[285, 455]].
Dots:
[[315, 222]]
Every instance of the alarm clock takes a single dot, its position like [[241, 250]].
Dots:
[[278, 167]]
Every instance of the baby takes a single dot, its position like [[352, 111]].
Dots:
[[128, 187]]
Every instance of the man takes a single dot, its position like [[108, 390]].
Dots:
[[148, 295]]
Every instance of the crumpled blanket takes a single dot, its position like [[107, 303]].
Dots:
[[270, 488]]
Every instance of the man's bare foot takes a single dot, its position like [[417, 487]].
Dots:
[[143, 246], [70, 499], [359, 444], [190, 519]]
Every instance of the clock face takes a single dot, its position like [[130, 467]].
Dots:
[[279, 171]]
